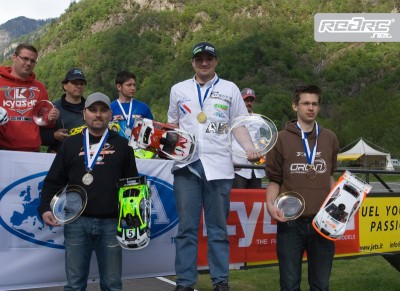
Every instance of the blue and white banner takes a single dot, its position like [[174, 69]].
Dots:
[[33, 249]]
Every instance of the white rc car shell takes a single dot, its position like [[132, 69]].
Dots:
[[340, 205]]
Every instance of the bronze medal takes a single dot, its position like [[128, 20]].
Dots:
[[201, 117], [87, 179], [311, 172]]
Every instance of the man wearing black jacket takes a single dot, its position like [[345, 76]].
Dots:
[[71, 105], [94, 159]]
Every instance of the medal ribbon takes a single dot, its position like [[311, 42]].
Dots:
[[310, 154], [128, 117], [90, 159], [209, 89]]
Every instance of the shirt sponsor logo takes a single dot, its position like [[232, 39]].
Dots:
[[220, 96], [301, 168], [219, 114], [20, 99], [217, 127], [221, 106]]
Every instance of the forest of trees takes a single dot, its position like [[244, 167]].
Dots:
[[266, 45]]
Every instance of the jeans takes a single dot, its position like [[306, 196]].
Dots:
[[193, 193], [82, 237], [242, 183], [293, 239]]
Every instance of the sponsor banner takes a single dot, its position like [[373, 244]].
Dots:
[[27, 244], [380, 225], [357, 27], [252, 232]]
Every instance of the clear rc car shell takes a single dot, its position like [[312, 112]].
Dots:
[[168, 142], [134, 222], [339, 207]]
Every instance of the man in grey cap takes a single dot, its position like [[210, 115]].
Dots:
[[71, 105], [94, 160]]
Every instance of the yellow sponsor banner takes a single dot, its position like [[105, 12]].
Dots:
[[379, 225]]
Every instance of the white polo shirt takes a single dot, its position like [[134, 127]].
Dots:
[[221, 101]]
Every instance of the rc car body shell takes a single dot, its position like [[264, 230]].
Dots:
[[168, 142], [340, 205], [134, 222]]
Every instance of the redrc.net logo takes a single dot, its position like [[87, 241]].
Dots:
[[357, 27]]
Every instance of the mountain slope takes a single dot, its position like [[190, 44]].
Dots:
[[266, 45], [14, 29]]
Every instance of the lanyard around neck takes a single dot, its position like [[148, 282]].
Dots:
[[209, 89], [310, 154], [128, 117], [90, 159]]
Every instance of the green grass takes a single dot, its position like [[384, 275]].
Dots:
[[363, 273]]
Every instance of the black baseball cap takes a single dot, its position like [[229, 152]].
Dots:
[[74, 74], [205, 47]]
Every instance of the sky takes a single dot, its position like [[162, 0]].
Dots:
[[34, 9]]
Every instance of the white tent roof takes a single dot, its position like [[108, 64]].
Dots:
[[363, 149]]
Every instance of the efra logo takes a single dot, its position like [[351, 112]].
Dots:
[[19, 216]]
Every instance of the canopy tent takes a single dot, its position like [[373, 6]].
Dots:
[[362, 155]]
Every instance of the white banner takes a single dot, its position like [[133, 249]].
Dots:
[[29, 247]]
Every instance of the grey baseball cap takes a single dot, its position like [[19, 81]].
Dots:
[[97, 97]]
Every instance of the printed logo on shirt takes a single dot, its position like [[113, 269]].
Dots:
[[107, 150], [220, 96], [220, 114], [20, 99], [301, 168], [217, 127], [221, 106], [183, 107]]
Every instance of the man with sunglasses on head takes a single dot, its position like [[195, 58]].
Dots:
[[71, 105], [20, 91]]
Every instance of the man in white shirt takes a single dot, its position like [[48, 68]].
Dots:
[[204, 106]]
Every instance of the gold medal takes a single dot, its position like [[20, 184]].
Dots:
[[87, 179], [201, 117], [311, 172]]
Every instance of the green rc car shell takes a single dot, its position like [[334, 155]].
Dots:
[[134, 222]]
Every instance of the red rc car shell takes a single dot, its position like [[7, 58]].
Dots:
[[167, 141]]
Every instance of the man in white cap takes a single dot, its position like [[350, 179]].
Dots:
[[94, 160], [247, 178]]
